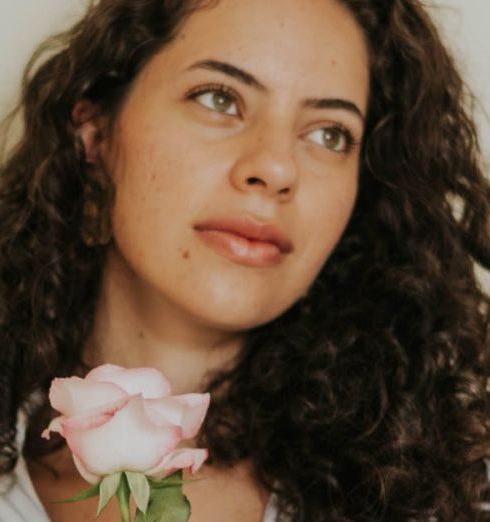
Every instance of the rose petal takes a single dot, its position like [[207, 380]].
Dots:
[[56, 426], [86, 422], [148, 381], [86, 474], [127, 441], [73, 395], [94, 418], [187, 411], [197, 406], [179, 459], [164, 411]]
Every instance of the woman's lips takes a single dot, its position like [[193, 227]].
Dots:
[[242, 250], [245, 241]]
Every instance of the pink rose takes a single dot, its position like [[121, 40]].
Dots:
[[125, 419]]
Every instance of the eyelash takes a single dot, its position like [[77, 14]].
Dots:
[[350, 141], [217, 88], [220, 88]]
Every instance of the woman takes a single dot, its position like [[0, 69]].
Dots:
[[280, 202]]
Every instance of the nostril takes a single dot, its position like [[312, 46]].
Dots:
[[285, 190], [254, 181]]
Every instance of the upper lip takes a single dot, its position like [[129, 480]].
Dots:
[[250, 229]]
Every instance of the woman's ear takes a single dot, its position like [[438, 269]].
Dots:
[[91, 127]]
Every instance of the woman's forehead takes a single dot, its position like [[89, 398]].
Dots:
[[311, 44]]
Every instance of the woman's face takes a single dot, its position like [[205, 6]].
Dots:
[[246, 126]]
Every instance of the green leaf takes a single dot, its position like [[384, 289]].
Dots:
[[167, 504], [171, 481], [108, 488], [92, 491], [138, 484]]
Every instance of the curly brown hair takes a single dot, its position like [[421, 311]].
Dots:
[[369, 404]]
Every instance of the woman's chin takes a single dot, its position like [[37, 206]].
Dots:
[[233, 318]]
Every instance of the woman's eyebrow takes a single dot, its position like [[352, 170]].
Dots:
[[334, 103], [230, 70], [250, 80]]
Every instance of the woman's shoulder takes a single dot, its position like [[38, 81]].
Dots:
[[18, 499]]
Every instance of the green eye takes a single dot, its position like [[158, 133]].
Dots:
[[219, 101], [333, 138]]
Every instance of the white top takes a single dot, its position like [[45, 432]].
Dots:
[[19, 501]]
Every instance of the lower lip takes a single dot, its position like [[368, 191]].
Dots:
[[242, 250]]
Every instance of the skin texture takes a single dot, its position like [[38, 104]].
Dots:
[[177, 160]]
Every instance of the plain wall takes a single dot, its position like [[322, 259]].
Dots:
[[23, 25], [464, 25]]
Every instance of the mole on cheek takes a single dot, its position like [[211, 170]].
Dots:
[[186, 254]]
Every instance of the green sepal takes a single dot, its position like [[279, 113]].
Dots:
[[167, 502], [138, 484], [123, 494], [108, 488], [92, 491]]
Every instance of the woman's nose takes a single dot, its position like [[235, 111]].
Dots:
[[266, 164]]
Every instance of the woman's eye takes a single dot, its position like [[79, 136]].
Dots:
[[335, 139], [217, 100]]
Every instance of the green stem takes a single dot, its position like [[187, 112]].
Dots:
[[123, 493]]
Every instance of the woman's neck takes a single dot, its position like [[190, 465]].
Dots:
[[136, 326]]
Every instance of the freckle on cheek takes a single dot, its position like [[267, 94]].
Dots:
[[184, 253]]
